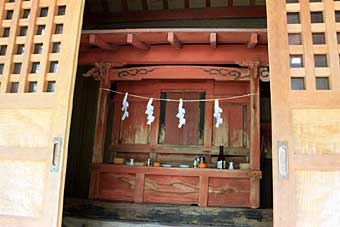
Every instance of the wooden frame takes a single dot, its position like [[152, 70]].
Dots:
[[35, 118], [306, 120], [248, 58], [146, 184]]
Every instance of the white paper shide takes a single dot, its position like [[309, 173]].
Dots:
[[217, 114], [125, 106], [180, 114], [149, 112]]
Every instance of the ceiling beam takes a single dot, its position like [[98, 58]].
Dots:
[[134, 41], [95, 40], [213, 39], [172, 39], [155, 15], [253, 40], [165, 54]]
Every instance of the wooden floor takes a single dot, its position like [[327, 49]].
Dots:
[[90, 213]]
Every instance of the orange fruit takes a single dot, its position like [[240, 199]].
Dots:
[[202, 165], [156, 164]]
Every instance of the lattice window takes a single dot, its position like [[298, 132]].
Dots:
[[313, 31], [31, 34]]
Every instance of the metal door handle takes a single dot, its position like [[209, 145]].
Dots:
[[57, 142], [282, 148]]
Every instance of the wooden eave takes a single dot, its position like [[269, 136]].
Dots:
[[154, 15], [160, 45]]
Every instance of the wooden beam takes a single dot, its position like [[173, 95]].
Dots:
[[153, 15], [165, 54], [172, 39], [132, 39], [253, 40], [187, 72], [187, 35], [213, 39], [101, 119], [95, 40]]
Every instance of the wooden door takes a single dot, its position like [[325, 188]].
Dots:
[[39, 42], [305, 84]]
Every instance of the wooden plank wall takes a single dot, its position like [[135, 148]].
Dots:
[[132, 138], [81, 136], [203, 187]]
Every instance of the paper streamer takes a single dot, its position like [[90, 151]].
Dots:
[[149, 112], [125, 106], [180, 114], [217, 114]]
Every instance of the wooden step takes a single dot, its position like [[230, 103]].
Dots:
[[100, 213]]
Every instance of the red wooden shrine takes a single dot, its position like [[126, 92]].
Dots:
[[202, 64]]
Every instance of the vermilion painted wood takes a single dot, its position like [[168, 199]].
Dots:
[[134, 131], [139, 191], [171, 189], [235, 124], [102, 168], [204, 189], [119, 187], [101, 122], [189, 133], [233, 192], [95, 40], [167, 55], [255, 134], [185, 36], [180, 72], [210, 187], [208, 13], [175, 149]]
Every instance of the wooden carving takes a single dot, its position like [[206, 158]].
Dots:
[[135, 72], [99, 71], [223, 72], [180, 72], [264, 74]]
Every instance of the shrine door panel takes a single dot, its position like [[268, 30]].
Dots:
[[38, 57], [305, 91]]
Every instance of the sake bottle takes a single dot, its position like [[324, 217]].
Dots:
[[220, 159]]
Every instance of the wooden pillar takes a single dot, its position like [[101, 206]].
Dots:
[[253, 66], [255, 135], [101, 72]]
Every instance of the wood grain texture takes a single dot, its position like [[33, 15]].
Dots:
[[164, 213], [316, 131], [162, 54], [205, 187], [317, 198], [217, 73], [15, 122], [29, 122], [119, 187], [173, 189], [228, 192]]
